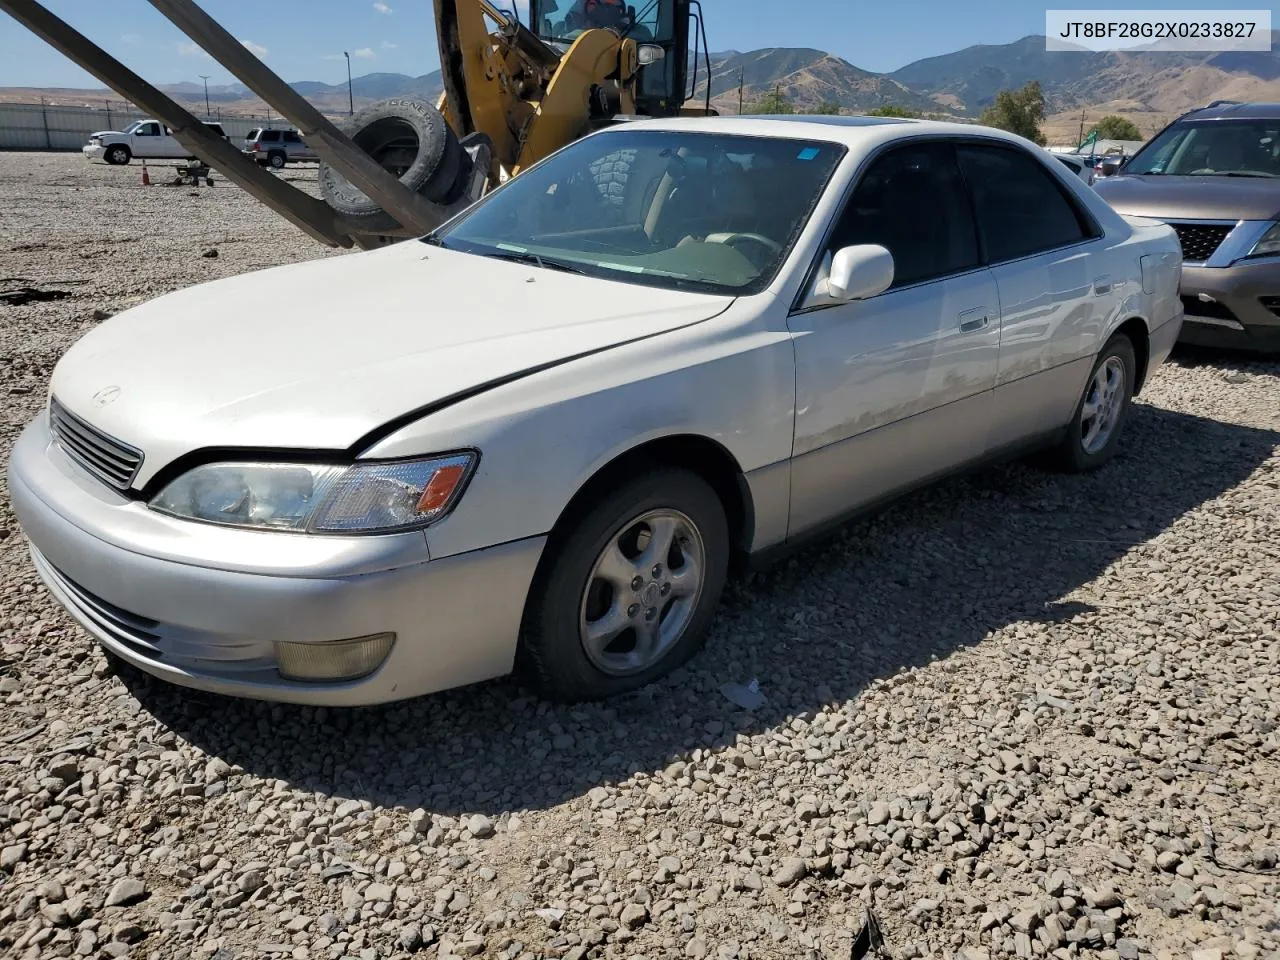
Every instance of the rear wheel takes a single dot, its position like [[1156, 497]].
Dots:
[[276, 159], [117, 155], [1094, 435], [629, 590]]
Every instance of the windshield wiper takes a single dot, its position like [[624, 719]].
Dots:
[[1236, 173], [546, 263]]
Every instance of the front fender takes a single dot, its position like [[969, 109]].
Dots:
[[543, 438]]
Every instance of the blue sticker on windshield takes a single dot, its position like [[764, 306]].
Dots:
[[808, 153]]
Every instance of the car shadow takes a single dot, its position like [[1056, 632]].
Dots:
[[934, 573]]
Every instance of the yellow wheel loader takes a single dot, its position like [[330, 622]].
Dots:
[[513, 94]]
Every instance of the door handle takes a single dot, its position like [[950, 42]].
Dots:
[[970, 323]]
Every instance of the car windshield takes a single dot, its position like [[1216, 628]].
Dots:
[[131, 128], [691, 211], [1225, 148]]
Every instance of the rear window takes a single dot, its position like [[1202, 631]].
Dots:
[[253, 134]]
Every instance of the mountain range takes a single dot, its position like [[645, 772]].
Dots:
[[1148, 87]]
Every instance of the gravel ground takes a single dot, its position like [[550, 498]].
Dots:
[[1014, 715]]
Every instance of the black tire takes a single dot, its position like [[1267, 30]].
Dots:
[[439, 188], [117, 155], [277, 159], [552, 657], [1071, 455], [408, 137], [611, 173]]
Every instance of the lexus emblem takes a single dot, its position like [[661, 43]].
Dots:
[[105, 395]]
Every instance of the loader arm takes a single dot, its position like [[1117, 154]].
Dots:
[[504, 82]]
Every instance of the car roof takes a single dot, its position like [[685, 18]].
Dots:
[[1231, 110], [851, 131]]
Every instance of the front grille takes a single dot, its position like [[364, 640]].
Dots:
[[1195, 307], [1200, 240], [111, 461]]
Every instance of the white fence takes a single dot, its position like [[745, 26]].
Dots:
[[34, 126]]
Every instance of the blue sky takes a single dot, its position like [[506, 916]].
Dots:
[[304, 39]]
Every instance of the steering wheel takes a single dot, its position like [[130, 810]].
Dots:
[[771, 248]]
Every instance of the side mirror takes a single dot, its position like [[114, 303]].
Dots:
[[648, 53], [1109, 168], [859, 272]]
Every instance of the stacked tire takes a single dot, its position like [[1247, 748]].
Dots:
[[407, 137]]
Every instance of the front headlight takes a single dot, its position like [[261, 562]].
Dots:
[[319, 498], [1269, 245]]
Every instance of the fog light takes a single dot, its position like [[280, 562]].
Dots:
[[333, 660]]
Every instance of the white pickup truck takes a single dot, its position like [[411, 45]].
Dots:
[[144, 139]]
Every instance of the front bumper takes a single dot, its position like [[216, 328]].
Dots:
[[93, 152], [201, 606], [1235, 316]]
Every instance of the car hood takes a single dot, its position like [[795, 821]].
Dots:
[[1192, 198], [105, 133], [317, 355]]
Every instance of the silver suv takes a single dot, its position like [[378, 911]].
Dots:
[[276, 148], [1214, 176]]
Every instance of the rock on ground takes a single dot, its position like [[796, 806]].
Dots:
[[1001, 713]]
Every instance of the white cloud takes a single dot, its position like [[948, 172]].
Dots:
[[192, 50], [388, 45], [257, 49], [381, 7]]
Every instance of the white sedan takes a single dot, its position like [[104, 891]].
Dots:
[[538, 438]]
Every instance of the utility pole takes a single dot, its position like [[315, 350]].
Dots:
[[740, 82], [1080, 138], [207, 111], [108, 103], [351, 100]]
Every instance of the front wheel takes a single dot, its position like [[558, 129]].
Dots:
[[117, 155], [628, 592], [1094, 434]]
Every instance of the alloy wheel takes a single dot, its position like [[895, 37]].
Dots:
[[642, 592], [1103, 404]]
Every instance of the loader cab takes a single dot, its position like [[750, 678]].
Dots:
[[669, 33]]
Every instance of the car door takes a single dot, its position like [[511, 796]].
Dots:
[[146, 141], [1043, 248], [171, 147], [895, 389], [293, 145]]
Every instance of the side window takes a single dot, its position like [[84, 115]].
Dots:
[[1021, 210], [149, 130], [270, 136], [291, 137], [911, 200]]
